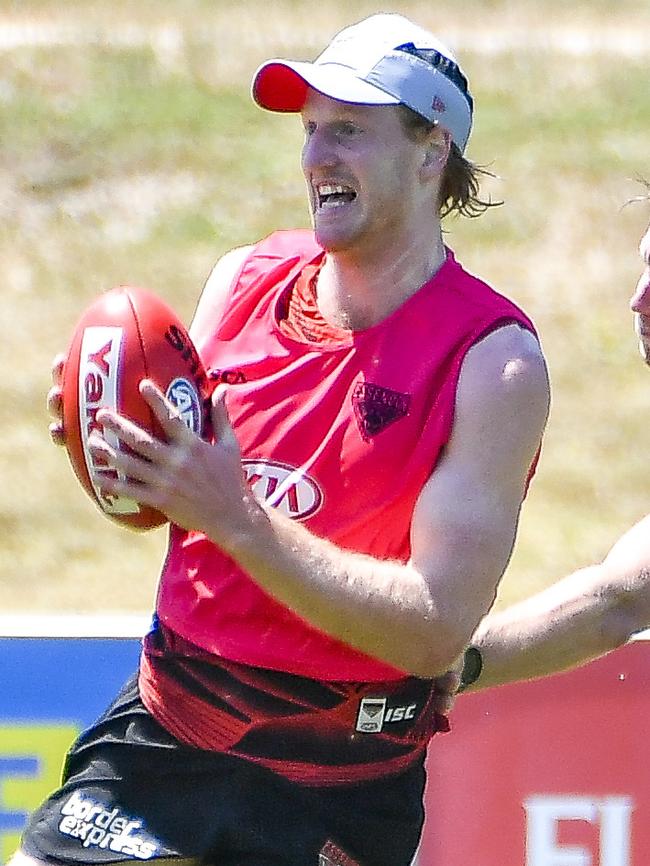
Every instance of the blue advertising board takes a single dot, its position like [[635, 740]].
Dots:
[[51, 688]]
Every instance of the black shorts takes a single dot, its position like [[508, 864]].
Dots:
[[130, 791]]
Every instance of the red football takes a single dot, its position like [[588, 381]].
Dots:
[[126, 335]]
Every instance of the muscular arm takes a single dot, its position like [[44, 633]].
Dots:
[[419, 616], [580, 618], [590, 612]]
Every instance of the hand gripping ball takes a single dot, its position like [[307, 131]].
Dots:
[[126, 335]]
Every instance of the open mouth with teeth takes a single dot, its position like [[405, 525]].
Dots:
[[330, 195]]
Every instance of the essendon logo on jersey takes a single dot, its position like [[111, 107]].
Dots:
[[376, 407], [284, 487]]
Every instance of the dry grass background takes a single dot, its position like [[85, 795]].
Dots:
[[130, 152]]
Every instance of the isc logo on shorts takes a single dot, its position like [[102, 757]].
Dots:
[[374, 714], [96, 826]]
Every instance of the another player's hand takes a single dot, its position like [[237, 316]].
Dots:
[[55, 401], [199, 485], [445, 688]]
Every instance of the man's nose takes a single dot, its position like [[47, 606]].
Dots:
[[318, 151], [640, 301]]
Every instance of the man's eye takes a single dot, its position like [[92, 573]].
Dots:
[[348, 129]]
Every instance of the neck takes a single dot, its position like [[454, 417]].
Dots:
[[357, 293]]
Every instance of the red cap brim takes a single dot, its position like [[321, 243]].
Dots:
[[279, 88]]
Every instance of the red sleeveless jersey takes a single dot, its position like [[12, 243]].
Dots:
[[341, 436]]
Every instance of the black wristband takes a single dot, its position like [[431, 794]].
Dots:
[[472, 667]]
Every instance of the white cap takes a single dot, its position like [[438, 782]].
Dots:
[[376, 62]]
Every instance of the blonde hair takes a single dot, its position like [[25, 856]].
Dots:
[[461, 179]]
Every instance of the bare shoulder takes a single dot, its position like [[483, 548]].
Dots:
[[512, 353], [227, 266], [507, 371], [214, 296], [502, 402], [502, 405]]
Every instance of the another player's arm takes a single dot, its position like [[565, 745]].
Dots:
[[590, 612], [419, 616], [580, 618]]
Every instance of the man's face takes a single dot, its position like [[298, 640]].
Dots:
[[641, 300], [363, 176]]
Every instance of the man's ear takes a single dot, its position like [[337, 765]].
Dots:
[[436, 153]]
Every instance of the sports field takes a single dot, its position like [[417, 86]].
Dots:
[[130, 151]]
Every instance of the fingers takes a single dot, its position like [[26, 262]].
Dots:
[[445, 689], [134, 437], [124, 463], [131, 462], [448, 682], [221, 427], [55, 401], [56, 433], [57, 369], [55, 394], [166, 414], [134, 451]]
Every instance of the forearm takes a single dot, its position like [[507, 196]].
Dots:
[[574, 621], [383, 608]]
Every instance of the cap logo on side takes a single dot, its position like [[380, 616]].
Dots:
[[438, 105]]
